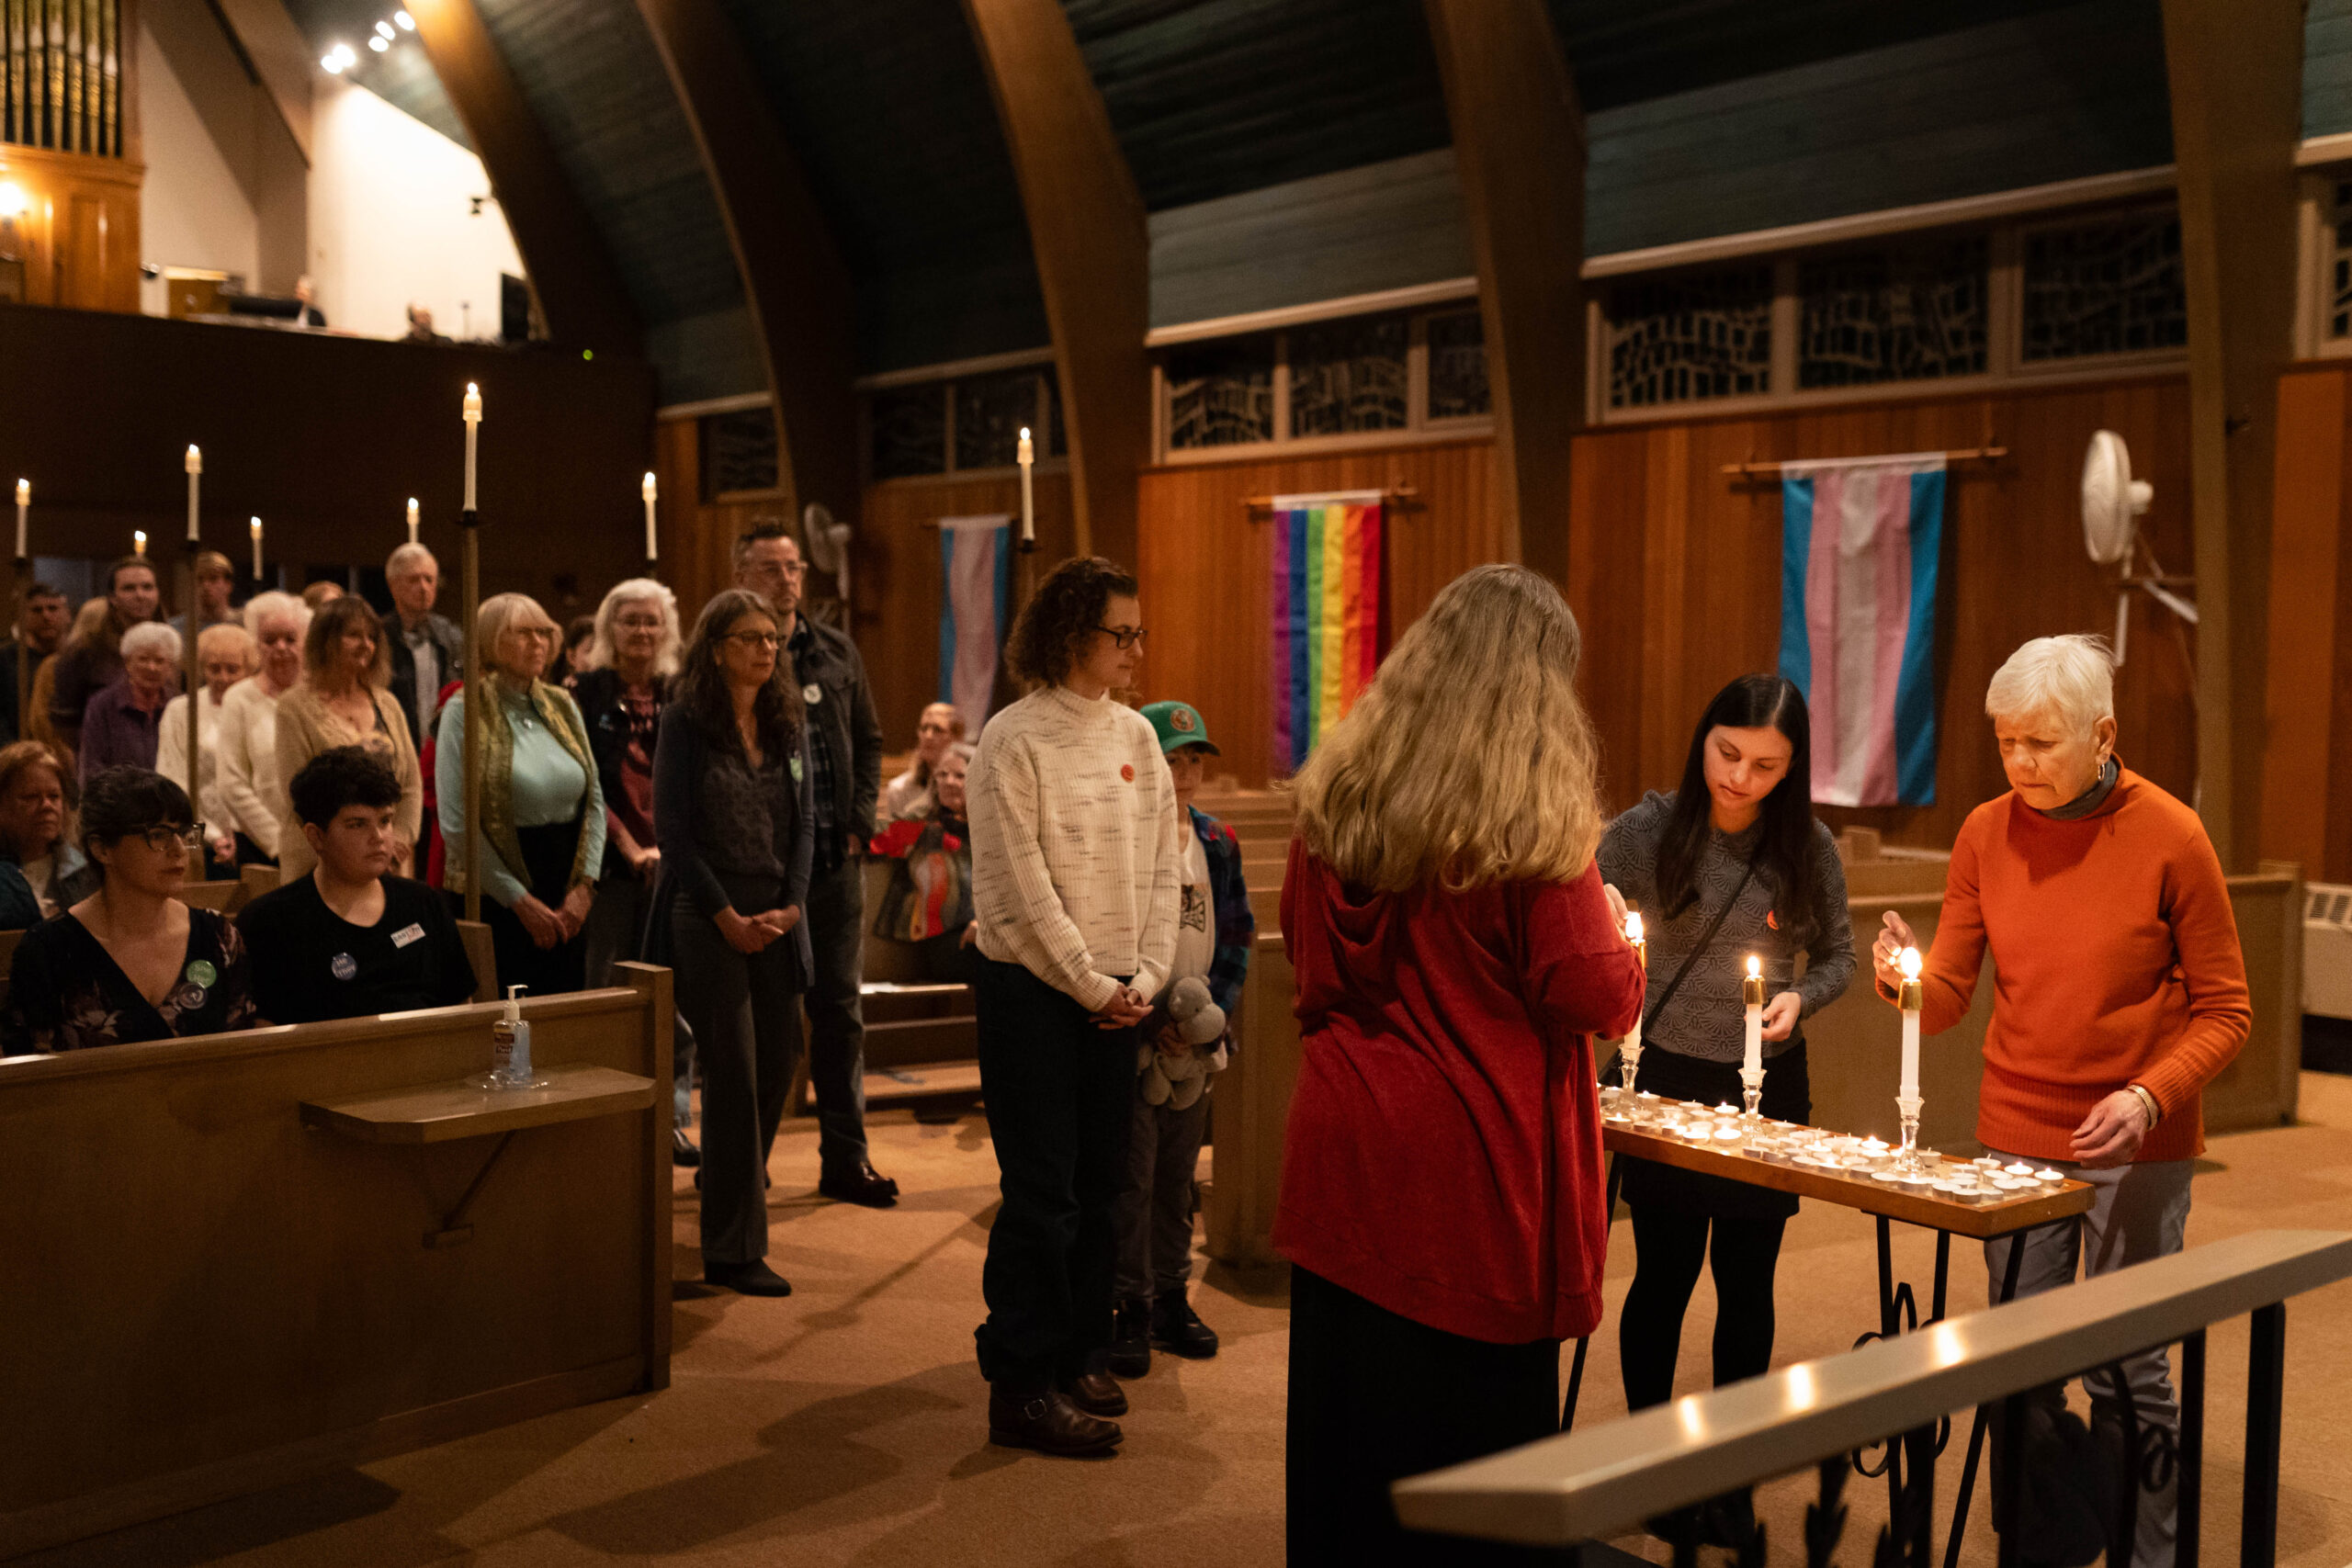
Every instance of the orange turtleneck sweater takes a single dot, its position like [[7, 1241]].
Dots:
[[2114, 961]]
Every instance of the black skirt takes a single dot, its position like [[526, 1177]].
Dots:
[[548, 853], [1788, 1097]]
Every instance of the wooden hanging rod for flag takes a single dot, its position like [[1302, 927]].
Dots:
[[1759, 470], [1393, 495]]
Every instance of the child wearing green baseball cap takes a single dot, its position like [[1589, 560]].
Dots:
[[1153, 1212]]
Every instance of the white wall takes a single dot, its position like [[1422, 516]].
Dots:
[[193, 210], [391, 220]]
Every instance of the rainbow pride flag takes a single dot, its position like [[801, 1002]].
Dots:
[[1326, 592]]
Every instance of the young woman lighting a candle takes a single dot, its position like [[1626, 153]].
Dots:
[[1731, 866], [2122, 993], [1442, 1190]]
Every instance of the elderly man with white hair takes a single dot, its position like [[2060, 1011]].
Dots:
[[428, 651], [2119, 994]]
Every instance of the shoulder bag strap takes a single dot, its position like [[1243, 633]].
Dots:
[[1704, 938]]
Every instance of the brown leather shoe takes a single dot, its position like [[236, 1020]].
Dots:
[[1050, 1424], [1097, 1394]]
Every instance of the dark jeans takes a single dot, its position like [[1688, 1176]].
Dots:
[[836, 915], [1670, 1245], [1057, 1090], [745, 1013], [1155, 1207], [1375, 1397]]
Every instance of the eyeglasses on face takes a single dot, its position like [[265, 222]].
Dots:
[[1124, 637], [165, 840], [754, 640]]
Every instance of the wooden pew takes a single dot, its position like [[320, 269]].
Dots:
[[245, 1258]]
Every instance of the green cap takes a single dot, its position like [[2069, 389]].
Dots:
[[1178, 725]]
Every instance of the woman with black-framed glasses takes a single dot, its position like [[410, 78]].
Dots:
[[130, 962]]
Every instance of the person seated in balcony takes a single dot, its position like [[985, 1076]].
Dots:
[[130, 962], [352, 939], [2121, 995]]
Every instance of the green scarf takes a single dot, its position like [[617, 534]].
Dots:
[[562, 718]]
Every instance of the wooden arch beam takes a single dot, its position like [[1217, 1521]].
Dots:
[[580, 290], [1086, 228], [2236, 79], [1518, 145], [795, 280]]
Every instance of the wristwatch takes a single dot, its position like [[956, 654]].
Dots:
[[2155, 1111]]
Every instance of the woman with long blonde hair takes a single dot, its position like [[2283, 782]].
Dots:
[[1455, 952]]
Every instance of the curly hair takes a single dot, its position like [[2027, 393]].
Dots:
[[337, 777], [122, 800], [702, 686], [1066, 609]]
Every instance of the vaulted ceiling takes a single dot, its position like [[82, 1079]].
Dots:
[[886, 107]]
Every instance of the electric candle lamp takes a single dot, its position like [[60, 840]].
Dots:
[[651, 493], [195, 478], [1028, 455], [411, 520], [256, 550], [138, 542], [473, 430], [24, 506]]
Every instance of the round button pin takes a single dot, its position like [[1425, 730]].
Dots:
[[1128, 772], [812, 693], [343, 966]]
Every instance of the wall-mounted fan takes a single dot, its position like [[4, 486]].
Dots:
[[2112, 503], [828, 547]]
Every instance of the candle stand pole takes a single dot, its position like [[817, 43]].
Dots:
[[193, 685], [469, 531], [19, 575]]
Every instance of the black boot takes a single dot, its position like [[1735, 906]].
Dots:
[[753, 1278], [1176, 1326], [1131, 1340], [681, 1148]]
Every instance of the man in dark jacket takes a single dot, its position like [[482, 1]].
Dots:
[[40, 627], [845, 755], [428, 651]]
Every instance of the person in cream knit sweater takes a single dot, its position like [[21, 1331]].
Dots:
[[1075, 858]]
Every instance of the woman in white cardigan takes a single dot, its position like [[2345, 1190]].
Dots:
[[248, 736], [225, 654]]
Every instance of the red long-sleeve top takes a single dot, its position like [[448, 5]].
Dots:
[[2114, 961], [1442, 1158]]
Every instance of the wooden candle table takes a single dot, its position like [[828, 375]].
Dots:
[[1982, 1200]]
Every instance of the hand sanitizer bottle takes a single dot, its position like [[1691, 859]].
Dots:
[[510, 1045]]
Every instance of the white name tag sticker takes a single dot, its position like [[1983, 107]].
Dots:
[[407, 934]]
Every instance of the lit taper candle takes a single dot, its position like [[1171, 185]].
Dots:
[[411, 520], [473, 431], [1910, 997], [24, 507], [1629, 1054], [1751, 1000], [256, 550], [195, 478], [652, 492], [138, 542], [1028, 454]]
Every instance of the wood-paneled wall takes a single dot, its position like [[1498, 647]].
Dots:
[[1204, 558], [2307, 762], [79, 236], [1674, 573]]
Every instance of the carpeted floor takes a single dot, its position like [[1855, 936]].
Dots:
[[845, 1425]]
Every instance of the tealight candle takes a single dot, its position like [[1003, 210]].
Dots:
[[2018, 1168], [2046, 1174]]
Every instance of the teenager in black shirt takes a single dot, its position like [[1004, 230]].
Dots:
[[350, 940]]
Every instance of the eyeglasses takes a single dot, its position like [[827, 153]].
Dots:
[[754, 639], [1124, 637], [164, 840]]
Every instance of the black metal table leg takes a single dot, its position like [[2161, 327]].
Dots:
[[1984, 1414], [1943, 1273], [1889, 1325], [2191, 1452], [1576, 1366], [2266, 1373]]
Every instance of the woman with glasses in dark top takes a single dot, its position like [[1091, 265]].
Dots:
[[130, 962]]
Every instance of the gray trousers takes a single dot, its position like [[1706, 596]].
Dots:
[[2138, 1211], [836, 1015], [1152, 1215], [614, 933], [745, 1013]]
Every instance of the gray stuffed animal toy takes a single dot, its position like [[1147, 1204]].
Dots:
[[1177, 1081]]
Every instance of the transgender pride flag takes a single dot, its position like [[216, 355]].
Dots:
[[1326, 612], [1859, 543]]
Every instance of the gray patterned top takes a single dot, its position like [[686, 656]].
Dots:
[[1704, 1019]]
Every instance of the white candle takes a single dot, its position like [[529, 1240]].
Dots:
[[1641, 956], [411, 520], [194, 474], [1752, 997], [138, 542], [256, 550], [473, 430], [1028, 507], [1908, 998], [24, 506], [652, 492]]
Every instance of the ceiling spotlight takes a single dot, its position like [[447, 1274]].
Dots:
[[343, 52], [380, 45], [332, 64], [384, 31], [407, 22]]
